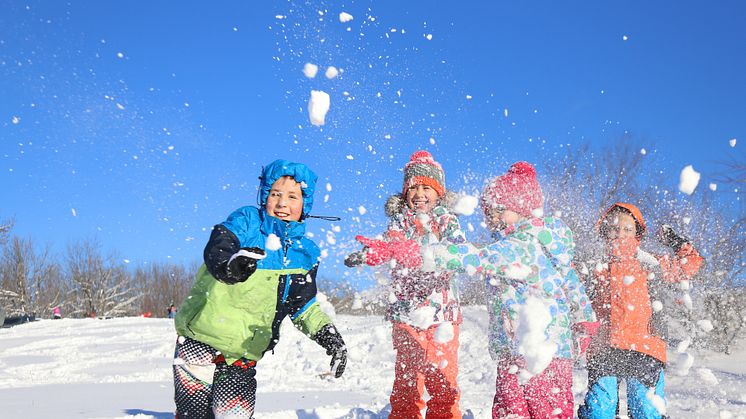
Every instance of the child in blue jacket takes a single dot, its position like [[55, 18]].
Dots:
[[259, 268]]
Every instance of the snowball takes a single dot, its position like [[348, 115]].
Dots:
[[505, 112], [468, 97], [643, 151], [628, 279], [310, 70], [120, 55], [273, 242], [625, 37], [15, 120], [705, 325], [683, 363], [685, 285], [732, 142], [688, 180], [657, 306], [683, 345], [444, 333], [345, 17], [74, 212], [422, 317], [713, 187], [465, 205], [707, 376], [328, 187], [361, 210], [429, 37], [331, 72], [532, 320], [318, 106]]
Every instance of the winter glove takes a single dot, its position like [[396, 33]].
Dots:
[[668, 237], [407, 253], [377, 252], [582, 333], [242, 264], [355, 259], [331, 340]]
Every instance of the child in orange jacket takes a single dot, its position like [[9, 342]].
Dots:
[[627, 346]]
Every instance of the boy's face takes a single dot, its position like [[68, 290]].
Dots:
[[422, 198], [620, 225], [285, 200], [498, 218]]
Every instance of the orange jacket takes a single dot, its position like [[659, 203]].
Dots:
[[620, 294]]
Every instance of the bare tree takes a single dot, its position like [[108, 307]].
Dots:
[[101, 287], [30, 279], [162, 285]]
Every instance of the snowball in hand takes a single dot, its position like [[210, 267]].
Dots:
[[318, 106], [688, 180]]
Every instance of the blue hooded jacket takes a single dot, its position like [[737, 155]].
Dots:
[[242, 320]]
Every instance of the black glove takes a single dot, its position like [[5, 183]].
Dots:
[[668, 237], [355, 259], [330, 339], [242, 264]]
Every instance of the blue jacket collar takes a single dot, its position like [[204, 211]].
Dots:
[[280, 228]]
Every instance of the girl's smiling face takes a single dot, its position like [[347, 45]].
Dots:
[[285, 200], [422, 198]]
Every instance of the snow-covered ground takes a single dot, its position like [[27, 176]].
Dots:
[[121, 368]]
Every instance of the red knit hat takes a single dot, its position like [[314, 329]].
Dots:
[[422, 169], [518, 190]]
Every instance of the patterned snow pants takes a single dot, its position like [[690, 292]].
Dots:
[[206, 387]]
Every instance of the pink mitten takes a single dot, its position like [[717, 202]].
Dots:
[[407, 252], [376, 252]]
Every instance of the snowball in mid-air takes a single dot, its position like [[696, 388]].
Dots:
[[465, 205], [643, 151], [345, 17], [361, 210], [272, 243], [713, 187], [318, 106], [331, 72], [310, 70], [688, 180], [15, 120], [732, 142], [429, 37]]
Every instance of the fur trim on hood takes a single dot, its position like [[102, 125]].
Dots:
[[395, 204]]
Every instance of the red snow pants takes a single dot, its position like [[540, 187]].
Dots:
[[547, 395], [422, 362]]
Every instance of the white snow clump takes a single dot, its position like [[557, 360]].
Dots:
[[345, 17], [272, 243], [465, 205], [331, 72], [318, 106], [688, 180], [310, 70]]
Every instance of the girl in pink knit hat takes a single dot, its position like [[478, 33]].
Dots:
[[537, 304], [424, 308]]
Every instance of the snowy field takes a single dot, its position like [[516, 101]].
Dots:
[[121, 368]]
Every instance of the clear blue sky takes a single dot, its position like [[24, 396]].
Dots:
[[145, 123]]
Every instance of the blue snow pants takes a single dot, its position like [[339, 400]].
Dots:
[[645, 385]]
